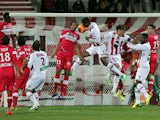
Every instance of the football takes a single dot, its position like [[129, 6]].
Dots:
[[81, 28]]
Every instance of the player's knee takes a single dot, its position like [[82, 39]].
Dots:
[[9, 93], [15, 88], [151, 76], [85, 54], [137, 82], [104, 61], [117, 65], [29, 93], [58, 71]]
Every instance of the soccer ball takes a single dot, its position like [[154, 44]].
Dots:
[[81, 28]]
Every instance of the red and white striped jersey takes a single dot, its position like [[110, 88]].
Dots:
[[115, 42]]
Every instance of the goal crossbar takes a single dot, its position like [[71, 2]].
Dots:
[[85, 14]]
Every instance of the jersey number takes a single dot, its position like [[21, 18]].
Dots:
[[5, 57], [156, 45], [42, 58]]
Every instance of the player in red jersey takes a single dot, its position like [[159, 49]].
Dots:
[[68, 42], [7, 73], [23, 54], [154, 43], [5, 26]]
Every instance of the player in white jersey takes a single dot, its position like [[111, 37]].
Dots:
[[39, 61], [97, 46], [143, 68], [115, 41]]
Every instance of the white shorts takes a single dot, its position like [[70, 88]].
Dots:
[[36, 82], [115, 59], [100, 50], [142, 74]]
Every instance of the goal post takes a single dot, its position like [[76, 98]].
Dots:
[[90, 77]]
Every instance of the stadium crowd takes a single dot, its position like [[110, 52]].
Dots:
[[100, 6]]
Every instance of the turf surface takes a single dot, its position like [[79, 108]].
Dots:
[[84, 113]]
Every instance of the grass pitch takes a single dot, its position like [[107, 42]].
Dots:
[[84, 113]]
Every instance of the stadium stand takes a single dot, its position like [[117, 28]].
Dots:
[[16, 6]]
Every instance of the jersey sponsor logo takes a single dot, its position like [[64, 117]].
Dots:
[[70, 36]]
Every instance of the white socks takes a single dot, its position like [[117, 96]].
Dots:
[[141, 88], [36, 96], [137, 95], [114, 69], [115, 84], [32, 97]]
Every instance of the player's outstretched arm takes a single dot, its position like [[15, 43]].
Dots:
[[139, 46]]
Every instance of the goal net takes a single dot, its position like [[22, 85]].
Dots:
[[90, 84]]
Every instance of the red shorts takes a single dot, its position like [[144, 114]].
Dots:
[[7, 78], [20, 82], [64, 61], [153, 63]]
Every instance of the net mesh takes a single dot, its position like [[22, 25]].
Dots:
[[89, 84]]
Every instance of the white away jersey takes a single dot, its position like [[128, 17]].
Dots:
[[39, 61], [94, 33], [115, 42], [144, 57]]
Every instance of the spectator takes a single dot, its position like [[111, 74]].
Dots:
[[153, 5], [103, 7], [158, 6], [60, 7], [47, 5], [137, 2], [92, 4], [78, 7], [120, 8]]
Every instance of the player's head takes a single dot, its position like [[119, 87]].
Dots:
[[151, 29], [5, 40], [74, 25], [6, 17], [85, 22], [120, 29], [36, 45], [21, 41], [144, 38]]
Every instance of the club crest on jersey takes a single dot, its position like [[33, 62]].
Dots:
[[68, 64]]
